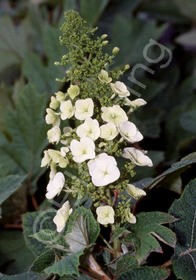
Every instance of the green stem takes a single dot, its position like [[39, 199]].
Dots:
[[116, 245], [105, 241], [109, 197]]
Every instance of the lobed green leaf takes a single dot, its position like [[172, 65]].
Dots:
[[184, 209], [44, 260], [68, 265], [148, 228], [82, 229], [34, 222], [27, 130]]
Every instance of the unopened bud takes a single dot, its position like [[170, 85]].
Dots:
[[60, 96], [73, 91], [104, 43], [104, 36], [127, 66], [57, 63], [115, 50], [68, 72]]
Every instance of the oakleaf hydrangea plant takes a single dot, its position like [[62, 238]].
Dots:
[[92, 151], [99, 133]]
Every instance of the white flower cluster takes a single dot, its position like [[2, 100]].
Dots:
[[102, 167]]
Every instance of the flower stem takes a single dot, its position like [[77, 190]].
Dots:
[[105, 241], [116, 245], [109, 197]]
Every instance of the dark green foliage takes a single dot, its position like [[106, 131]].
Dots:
[[24, 276], [44, 260], [125, 263], [82, 229], [184, 209], [31, 225], [8, 185], [145, 273], [173, 172], [29, 46], [27, 133], [144, 234], [68, 265], [15, 257]]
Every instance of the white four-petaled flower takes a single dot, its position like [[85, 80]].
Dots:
[[83, 149], [105, 215], [84, 109], [54, 134], [108, 131], [57, 158], [104, 77], [52, 117], [90, 128], [62, 216], [120, 89], [135, 192], [137, 157], [46, 159], [114, 114], [60, 96], [129, 131], [73, 91], [55, 185], [103, 170], [54, 103], [134, 104], [129, 216], [52, 170], [67, 110]]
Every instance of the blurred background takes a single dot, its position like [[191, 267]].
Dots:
[[29, 45]]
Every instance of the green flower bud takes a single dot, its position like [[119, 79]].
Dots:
[[115, 50], [54, 103], [60, 96], [73, 91], [104, 43], [103, 77], [127, 66], [104, 36]]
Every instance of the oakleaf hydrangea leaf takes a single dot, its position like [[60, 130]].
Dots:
[[13, 43], [27, 131], [124, 263], [83, 229], [91, 10], [144, 234], [147, 273], [33, 223], [23, 276], [67, 265], [8, 185], [44, 260], [176, 169], [43, 78], [184, 259], [49, 237]]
